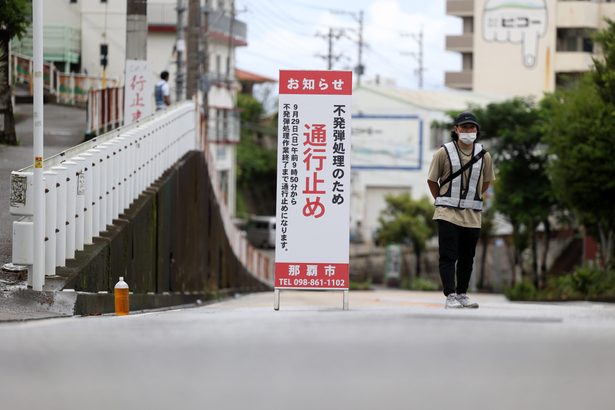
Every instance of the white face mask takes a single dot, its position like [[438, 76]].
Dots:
[[467, 137]]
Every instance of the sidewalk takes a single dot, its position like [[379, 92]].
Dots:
[[64, 128]]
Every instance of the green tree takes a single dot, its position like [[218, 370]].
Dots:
[[407, 221], [513, 132], [580, 133], [256, 165], [14, 20]]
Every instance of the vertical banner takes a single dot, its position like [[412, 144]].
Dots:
[[138, 91], [313, 189]]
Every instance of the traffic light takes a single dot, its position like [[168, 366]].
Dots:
[[104, 50]]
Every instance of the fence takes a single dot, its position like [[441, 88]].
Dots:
[[88, 186], [105, 110], [68, 88]]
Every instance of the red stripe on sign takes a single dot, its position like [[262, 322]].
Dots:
[[316, 82], [311, 275]]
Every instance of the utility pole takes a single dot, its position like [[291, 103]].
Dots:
[[358, 17], [205, 80], [332, 35], [417, 56], [193, 49], [180, 47], [136, 30], [360, 69]]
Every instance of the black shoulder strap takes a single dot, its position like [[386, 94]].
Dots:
[[467, 165]]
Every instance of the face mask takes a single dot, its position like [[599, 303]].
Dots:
[[467, 137]]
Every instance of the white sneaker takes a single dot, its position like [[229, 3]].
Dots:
[[452, 302], [465, 301]]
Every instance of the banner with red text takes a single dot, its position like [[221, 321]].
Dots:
[[138, 91], [313, 190]]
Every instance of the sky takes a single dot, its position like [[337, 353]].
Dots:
[[283, 34]]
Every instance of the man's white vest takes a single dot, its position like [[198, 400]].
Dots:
[[458, 195]]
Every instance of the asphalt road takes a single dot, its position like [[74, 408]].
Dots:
[[392, 350]]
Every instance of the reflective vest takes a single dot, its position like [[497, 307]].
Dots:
[[458, 194]]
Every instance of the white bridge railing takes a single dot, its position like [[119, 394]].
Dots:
[[90, 185]]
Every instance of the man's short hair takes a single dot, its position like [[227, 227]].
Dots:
[[164, 75]]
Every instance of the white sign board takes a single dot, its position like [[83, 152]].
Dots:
[[313, 191], [138, 91], [387, 142]]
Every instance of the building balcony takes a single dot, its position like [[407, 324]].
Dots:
[[570, 62], [62, 44], [461, 80], [460, 8], [578, 14], [463, 43], [162, 17], [224, 126]]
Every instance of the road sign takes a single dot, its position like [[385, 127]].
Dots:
[[313, 190]]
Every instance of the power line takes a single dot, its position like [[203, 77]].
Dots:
[[418, 56]]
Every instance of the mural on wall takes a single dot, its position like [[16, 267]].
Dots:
[[516, 21]]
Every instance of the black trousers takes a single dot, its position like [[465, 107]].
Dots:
[[457, 248]]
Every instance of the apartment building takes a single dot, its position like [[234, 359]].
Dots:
[[524, 47], [76, 30]]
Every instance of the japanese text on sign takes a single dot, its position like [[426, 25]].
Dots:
[[312, 241]]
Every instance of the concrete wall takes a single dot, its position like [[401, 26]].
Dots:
[[170, 240]]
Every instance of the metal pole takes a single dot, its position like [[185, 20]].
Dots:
[[180, 47], [330, 54], [38, 266], [360, 58]]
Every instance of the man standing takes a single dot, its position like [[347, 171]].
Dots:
[[459, 175], [161, 92]]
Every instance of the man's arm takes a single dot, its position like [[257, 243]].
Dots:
[[434, 188], [485, 187]]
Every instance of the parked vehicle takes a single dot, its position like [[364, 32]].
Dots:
[[261, 231]]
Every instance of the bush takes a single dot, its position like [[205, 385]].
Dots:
[[419, 284], [586, 283], [364, 285], [524, 290]]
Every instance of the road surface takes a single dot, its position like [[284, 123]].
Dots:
[[391, 350]]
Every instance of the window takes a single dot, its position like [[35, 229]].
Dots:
[[575, 40], [439, 136]]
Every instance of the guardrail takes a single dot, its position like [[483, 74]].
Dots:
[[69, 88], [90, 185], [105, 110]]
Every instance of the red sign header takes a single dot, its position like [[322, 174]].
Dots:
[[316, 82]]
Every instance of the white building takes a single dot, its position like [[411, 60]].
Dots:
[[74, 31], [524, 47], [393, 142]]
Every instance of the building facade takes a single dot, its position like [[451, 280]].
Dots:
[[524, 47]]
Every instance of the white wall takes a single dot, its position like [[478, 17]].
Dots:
[[500, 65], [62, 13]]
